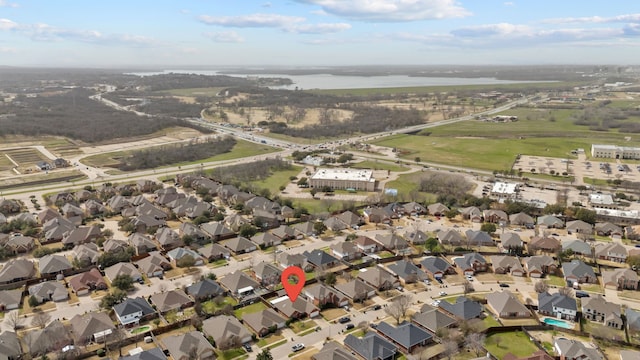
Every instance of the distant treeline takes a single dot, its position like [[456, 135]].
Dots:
[[172, 154], [74, 115], [366, 120], [188, 81], [603, 118], [242, 173], [169, 106]]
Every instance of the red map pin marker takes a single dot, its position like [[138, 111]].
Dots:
[[293, 290]]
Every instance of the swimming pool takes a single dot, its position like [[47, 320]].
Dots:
[[557, 322]]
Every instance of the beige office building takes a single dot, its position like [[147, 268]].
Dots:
[[615, 152], [343, 179]]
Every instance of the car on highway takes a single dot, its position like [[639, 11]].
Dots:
[[344, 319], [297, 347]]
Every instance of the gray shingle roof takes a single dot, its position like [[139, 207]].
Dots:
[[371, 347], [463, 308], [405, 334]]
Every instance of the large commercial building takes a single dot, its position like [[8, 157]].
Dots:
[[615, 152], [343, 179]]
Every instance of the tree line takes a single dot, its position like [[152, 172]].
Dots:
[[242, 173], [171, 154]]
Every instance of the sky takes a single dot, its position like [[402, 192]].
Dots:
[[170, 34]]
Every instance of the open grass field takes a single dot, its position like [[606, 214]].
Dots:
[[375, 165], [277, 179], [27, 157], [42, 179], [517, 343], [5, 163], [240, 150], [538, 132]]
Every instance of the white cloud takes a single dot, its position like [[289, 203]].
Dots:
[[4, 3], [392, 10], [626, 18], [501, 29], [6, 24], [8, 50], [252, 20], [509, 3], [323, 28], [225, 37]]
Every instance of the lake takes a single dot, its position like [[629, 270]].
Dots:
[[329, 81]]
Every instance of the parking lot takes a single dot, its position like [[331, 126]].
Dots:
[[601, 169]]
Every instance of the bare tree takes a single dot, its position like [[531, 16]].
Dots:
[[475, 342], [116, 338], [467, 287], [196, 322], [541, 287], [566, 291], [13, 320], [394, 310], [40, 319], [450, 348], [404, 303]]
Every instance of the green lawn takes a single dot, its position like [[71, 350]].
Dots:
[[250, 309], [269, 340], [277, 179], [556, 280], [377, 165], [210, 306], [489, 321], [301, 326], [517, 343], [407, 185], [230, 354]]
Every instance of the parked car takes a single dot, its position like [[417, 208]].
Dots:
[[344, 319], [297, 347], [350, 326], [581, 294], [442, 293], [377, 307], [247, 347], [504, 285]]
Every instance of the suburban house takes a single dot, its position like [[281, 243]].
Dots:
[[285, 259], [376, 215], [596, 308], [320, 259], [371, 346], [213, 252], [168, 238], [366, 245], [407, 271], [264, 322], [578, 272], [41, 341], [505, 305], [171, 300], [83, 283], [495, 216], [406, 335], [141, 243], [609, 229], [575, 350], [54, 264], [417, 237], [87, 253], [154, 264], [239, 245], [438, 209], [511, 241], [92, 326], [19, 244], [614, 251], [132, 310], [334, 224], [620, 279], [123, 268], [323, 296], [356, 290], [632, 320], [49, 291], [507, 265], [579, 247], [557, 305], [392, 242], [472, 214], [478, 238], [471, 263], [114, 246], [437, 267], [450, 237], [579, 227], [16, 270], [540, 265], [10, 345], [550, 221], [333, 351], [194, 232], [545, 244], [184, 346], [217, 230], [433, 319], [226, 329], [265, 240], [379, 278], [205, 289], [239, 284], [464, 308], [345, 251], [180, 252], [521, 219], [299, 309], [267, 273], [10, 299]]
